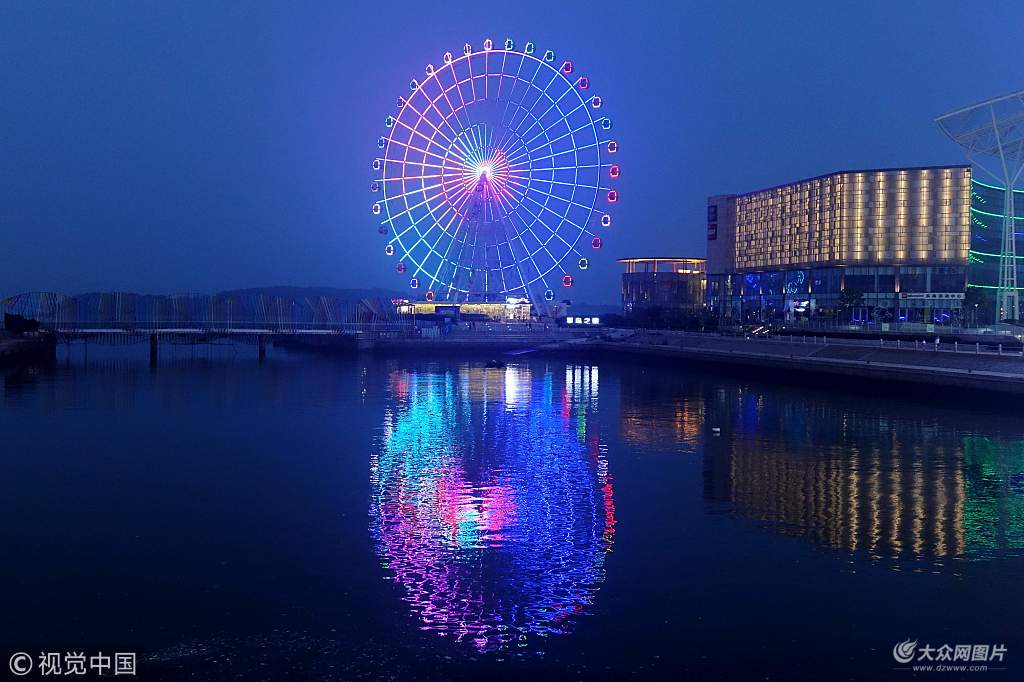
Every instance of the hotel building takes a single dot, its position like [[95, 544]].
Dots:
[[901, 237]]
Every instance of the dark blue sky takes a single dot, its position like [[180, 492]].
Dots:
[[168, 147]]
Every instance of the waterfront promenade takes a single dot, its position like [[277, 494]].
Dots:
[[954, 365], [958, 365]]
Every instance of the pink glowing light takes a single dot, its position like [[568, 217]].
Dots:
[[447, 175]]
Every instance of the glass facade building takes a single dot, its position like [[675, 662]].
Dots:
[[901, 238], [670, 283]]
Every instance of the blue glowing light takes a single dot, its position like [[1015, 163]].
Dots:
[[499, 537]]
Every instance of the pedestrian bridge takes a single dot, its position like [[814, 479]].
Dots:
[[120, 313], [119, 318]]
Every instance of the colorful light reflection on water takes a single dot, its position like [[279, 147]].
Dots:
[[491, 500]]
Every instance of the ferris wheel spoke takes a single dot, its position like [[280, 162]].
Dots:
[[458, 262], [472, 259], [501, 266], [501, 74], [525, 150], [541, 245], [406, 162], [426, 119], [444, 119], [420, 265], [516, 79], [526, 90], [528, 112], [508, 240], [472, 85], [531, 171], [454, 111], [403, 198], [421, 235], [451, 242], [409, 145], [479, 211], [457, 85], [546, 129], [412, 178], [561, 218], [487, 70], [562, 120], [541, 91], [460, 114], [458, 145], [553, 155], [430, 142], [562, 183], [536, 217], [506, 136], [474, 132]]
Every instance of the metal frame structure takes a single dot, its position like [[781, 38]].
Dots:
[[494, 174], [992, 132], [122, 315]]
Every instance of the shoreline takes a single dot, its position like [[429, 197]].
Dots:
[[904, 372], [965, 367], [17, 349], [923, 365]]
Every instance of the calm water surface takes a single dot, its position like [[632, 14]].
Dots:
[[399, 518]]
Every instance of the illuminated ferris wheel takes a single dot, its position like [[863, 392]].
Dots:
[[495, 176]]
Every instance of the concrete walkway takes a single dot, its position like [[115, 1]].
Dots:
[[983, 371]]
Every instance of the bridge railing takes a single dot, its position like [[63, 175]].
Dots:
[[224, 312]]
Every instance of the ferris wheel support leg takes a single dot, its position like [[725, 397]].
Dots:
[[1008, 298]]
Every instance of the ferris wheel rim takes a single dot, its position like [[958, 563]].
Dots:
[[436, 215]]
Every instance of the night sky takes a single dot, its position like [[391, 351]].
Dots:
[[167, 147]]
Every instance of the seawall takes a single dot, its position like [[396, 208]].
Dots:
[[924, 365]]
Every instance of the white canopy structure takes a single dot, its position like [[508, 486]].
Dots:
[[991, 134]]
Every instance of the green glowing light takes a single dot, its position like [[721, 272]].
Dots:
[[989, 286], [994, 255], [979, 182], [994, 215]]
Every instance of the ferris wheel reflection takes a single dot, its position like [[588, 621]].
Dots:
[[491, 502]]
